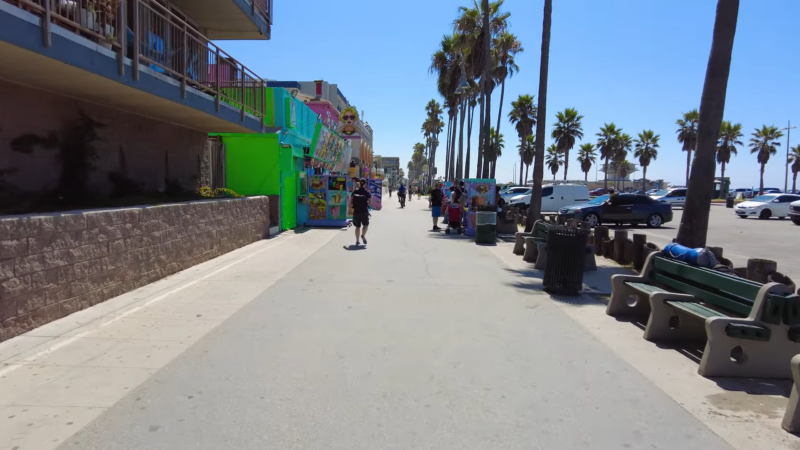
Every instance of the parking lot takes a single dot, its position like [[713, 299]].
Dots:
[[742, 239]]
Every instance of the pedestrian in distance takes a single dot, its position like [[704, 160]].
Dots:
[[360, 200]]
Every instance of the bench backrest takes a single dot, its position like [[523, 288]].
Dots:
[[540, 229]]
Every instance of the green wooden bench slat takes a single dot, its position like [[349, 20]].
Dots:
[[791, 310], [645, 288], [745, 289], [696, 309], [747, 331], [708, 297]]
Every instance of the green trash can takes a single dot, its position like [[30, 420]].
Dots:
[[486, 227]]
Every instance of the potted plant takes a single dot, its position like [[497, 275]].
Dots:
[[87, 17]]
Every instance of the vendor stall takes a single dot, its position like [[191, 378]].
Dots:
[[480, 197]]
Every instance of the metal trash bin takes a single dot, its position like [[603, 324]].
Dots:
[[729, 202], [566, 251], [485, 227]]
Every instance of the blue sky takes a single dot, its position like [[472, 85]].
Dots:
[[637, 63]]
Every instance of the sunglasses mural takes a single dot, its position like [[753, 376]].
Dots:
[[347, 121]]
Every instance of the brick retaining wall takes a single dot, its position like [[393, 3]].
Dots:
[[55, 264]]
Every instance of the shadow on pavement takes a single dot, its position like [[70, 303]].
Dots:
[[355, 247]]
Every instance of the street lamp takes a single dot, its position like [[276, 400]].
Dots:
[[788, 131]]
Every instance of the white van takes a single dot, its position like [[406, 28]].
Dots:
[[555, 197]]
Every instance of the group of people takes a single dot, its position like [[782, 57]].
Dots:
[[439, 201]]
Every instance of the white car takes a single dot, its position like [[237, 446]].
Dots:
[[766, 206], [512, 192], [674, 196], [554, 197], [794, 212]]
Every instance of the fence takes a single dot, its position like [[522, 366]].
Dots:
[[157, 38]]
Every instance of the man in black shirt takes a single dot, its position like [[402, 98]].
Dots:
[[436, 198], [361, 198]]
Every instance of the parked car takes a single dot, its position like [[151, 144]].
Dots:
[[597, 192], [674, 196], [651, 192], [766, 206], [554, 197], [514, 191], [746, 192], [623, 208], [794, 212], [771, 191]]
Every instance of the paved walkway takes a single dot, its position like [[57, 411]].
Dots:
[[420, 341]]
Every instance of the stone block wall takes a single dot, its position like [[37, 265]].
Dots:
[[56, 264]]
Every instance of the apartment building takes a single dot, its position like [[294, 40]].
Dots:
[[140, 81]]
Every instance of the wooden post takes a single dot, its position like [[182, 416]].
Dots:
[[216, 78], [600, 234], [243, 101], [608, 248], [717, 251], [185, 61], [620, 236], [759, 269], [639, 240]]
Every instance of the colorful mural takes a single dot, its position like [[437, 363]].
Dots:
[[375, 189], [348, 119], [480, 194], [318, 200]]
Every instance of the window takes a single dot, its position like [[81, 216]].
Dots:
[[677, 193], [547, 192], [788, 198], [642, 200], [623, 200]]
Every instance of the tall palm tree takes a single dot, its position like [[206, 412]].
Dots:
[[528, 153], [586, 158], [646, 150], [687, 135], [446, 64], [506, 48], [523, 117], [495, 149], [535, 208], [763, 144], [694, 223], [607, 143], [554, 159], [566, 130], [794, 159], [472, 102], [730, 136], [624, 145]]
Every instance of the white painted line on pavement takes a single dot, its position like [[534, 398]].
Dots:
[[31, 359]]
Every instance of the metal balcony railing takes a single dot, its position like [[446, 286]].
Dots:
[[157, 38]]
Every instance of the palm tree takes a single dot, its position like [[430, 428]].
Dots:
[[586, 158], [694, 223], [526, 150], [523, 116], [535, 208], [446, 64], [472, 103], [764, 144], [554, 159], [794, 158], [566, 131], [729, 137], [646, 150], [495, 149], [607, 143], [687, 135], [506, 47]]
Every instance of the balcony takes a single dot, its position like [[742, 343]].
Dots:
[[157, 65], [230, 19]]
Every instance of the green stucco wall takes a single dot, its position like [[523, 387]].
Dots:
[[251, 165]]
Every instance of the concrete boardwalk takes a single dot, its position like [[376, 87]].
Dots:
[[420, 341]]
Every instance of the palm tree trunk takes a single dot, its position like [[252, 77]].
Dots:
[[794, 182], [469, 139], [535, 208], [644, 179], [453, 141], [723, 170], [527, 166], [605, 175], [688, 165], [521, 164], [487, 74], [460, 164], [480, 134], [494, 167], [761, 184], [585, 177], [500, 112], [693, 230], [447, 149]]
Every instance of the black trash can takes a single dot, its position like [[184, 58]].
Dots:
[[729, 202], [566, 252]]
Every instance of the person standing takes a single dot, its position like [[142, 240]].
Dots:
[[360, 199], [435, 200]]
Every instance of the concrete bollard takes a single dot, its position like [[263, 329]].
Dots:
[[620, 236], [639, 240]]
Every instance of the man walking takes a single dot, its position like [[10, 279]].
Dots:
[[360, 200], [435, 199]]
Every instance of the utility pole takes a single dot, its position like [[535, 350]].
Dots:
[[788, 130]]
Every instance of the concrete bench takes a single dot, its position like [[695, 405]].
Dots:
[[750, 329], [791, 418]]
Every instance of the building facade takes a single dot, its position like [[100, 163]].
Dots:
[[139, 83]]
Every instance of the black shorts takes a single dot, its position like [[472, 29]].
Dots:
[[360, 219]]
